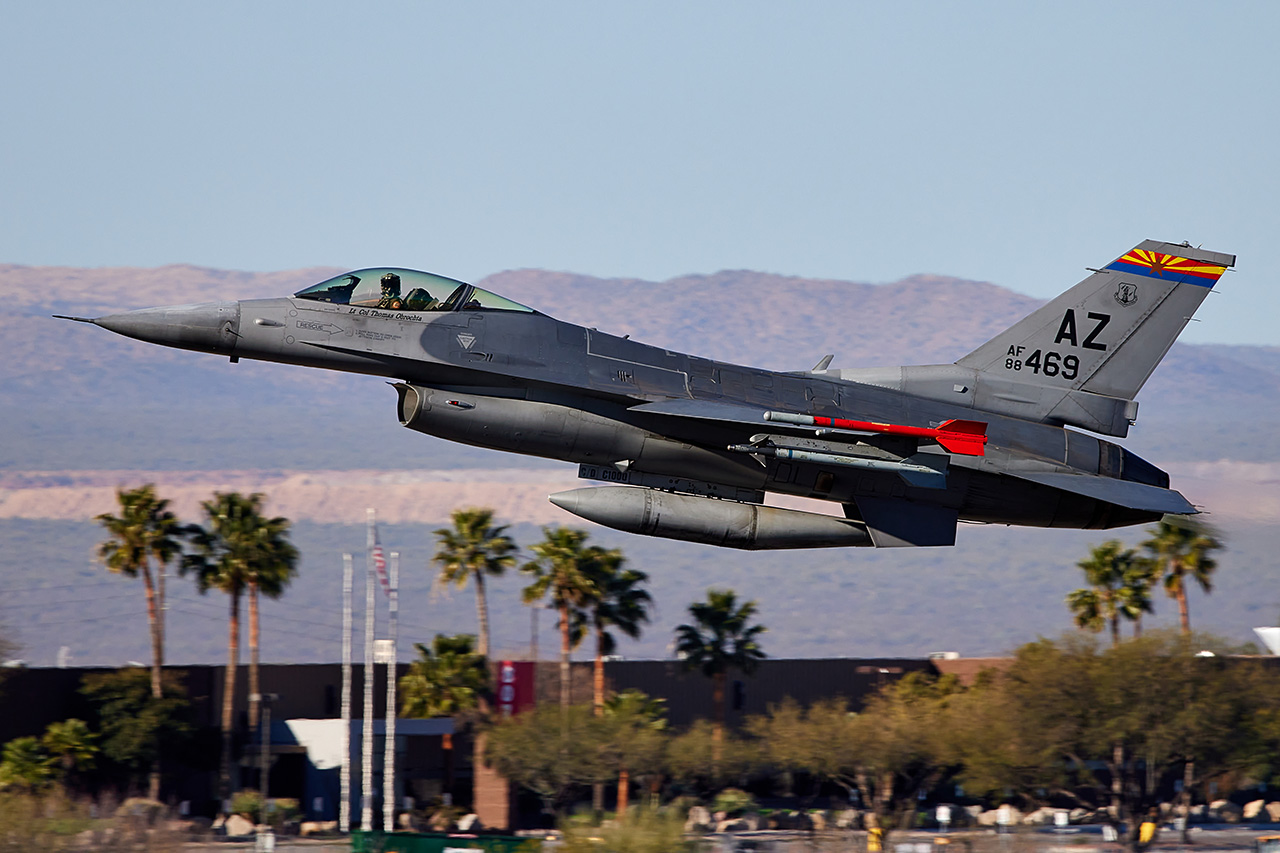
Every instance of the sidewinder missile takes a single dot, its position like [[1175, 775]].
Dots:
[[968, 438]]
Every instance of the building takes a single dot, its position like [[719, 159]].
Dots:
[[306, 729]]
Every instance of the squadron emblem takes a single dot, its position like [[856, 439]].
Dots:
[[1127, 294]]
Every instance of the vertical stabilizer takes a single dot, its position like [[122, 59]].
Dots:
[[1107, 334]]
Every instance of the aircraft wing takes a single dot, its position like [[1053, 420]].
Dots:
[[1126, 493], [707, 410]]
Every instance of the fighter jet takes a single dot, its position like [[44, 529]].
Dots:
[[690, 447]]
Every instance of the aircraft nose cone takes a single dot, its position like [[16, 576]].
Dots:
[[207, 327]]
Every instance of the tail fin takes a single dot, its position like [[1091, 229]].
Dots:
[[1136, 305]]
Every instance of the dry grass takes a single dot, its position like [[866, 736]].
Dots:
[[53, 822]]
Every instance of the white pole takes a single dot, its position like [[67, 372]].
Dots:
[[389, 753], [344, 797], [366, 753]]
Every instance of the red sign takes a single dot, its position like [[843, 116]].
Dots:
[[515, 686]]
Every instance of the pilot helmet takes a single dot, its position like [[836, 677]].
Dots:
[[391, 284]]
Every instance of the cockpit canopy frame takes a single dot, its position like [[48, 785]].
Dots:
[[399, 289]]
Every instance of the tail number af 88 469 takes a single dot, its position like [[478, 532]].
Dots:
[[1048, 362], [1055, 363]]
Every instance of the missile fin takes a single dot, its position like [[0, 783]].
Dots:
[[968, 438]]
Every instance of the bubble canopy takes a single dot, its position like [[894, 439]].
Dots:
[[396, 289]]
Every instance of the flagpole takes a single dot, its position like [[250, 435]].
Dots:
[[389, 753], [344, 796], [366, 752]]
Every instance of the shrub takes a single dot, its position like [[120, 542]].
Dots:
[[733, 801], [248, 803]]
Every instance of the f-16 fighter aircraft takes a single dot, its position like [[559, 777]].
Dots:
[[689, 447]]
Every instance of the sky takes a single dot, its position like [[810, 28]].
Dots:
[[1017, 143]]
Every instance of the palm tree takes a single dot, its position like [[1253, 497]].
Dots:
[[143, 532], [1136, 591], [561, 570], [1118, 588], [447, 680], [620, 604], [720, 639], [1181, 548], [240, 551], [71, 745], [24, 765], [470, 550]]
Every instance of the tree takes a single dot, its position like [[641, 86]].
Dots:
[[469, 550], [143, 532], [447, 680], [818, 740], [620, 603], [72, 747], [705, 759], [24, 766], [551, 751], [1119, 584], [562, 570], [240, 550], [1181, 548], [135, 728], [720, 639], [1113, 726], [900, 747], [638, 726]]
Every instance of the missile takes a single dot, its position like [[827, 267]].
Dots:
[[732, 524], [925, 471], [967, 438]]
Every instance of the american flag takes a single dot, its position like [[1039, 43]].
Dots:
[[377, 557]]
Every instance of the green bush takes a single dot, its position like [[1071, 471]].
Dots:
[[733, 801], [283, 810], [248, 803]]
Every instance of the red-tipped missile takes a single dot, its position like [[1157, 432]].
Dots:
[[968, 438]]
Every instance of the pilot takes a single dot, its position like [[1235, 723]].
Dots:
[[391, 293]]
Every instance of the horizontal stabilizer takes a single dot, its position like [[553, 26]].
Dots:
[[1124, 493]]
